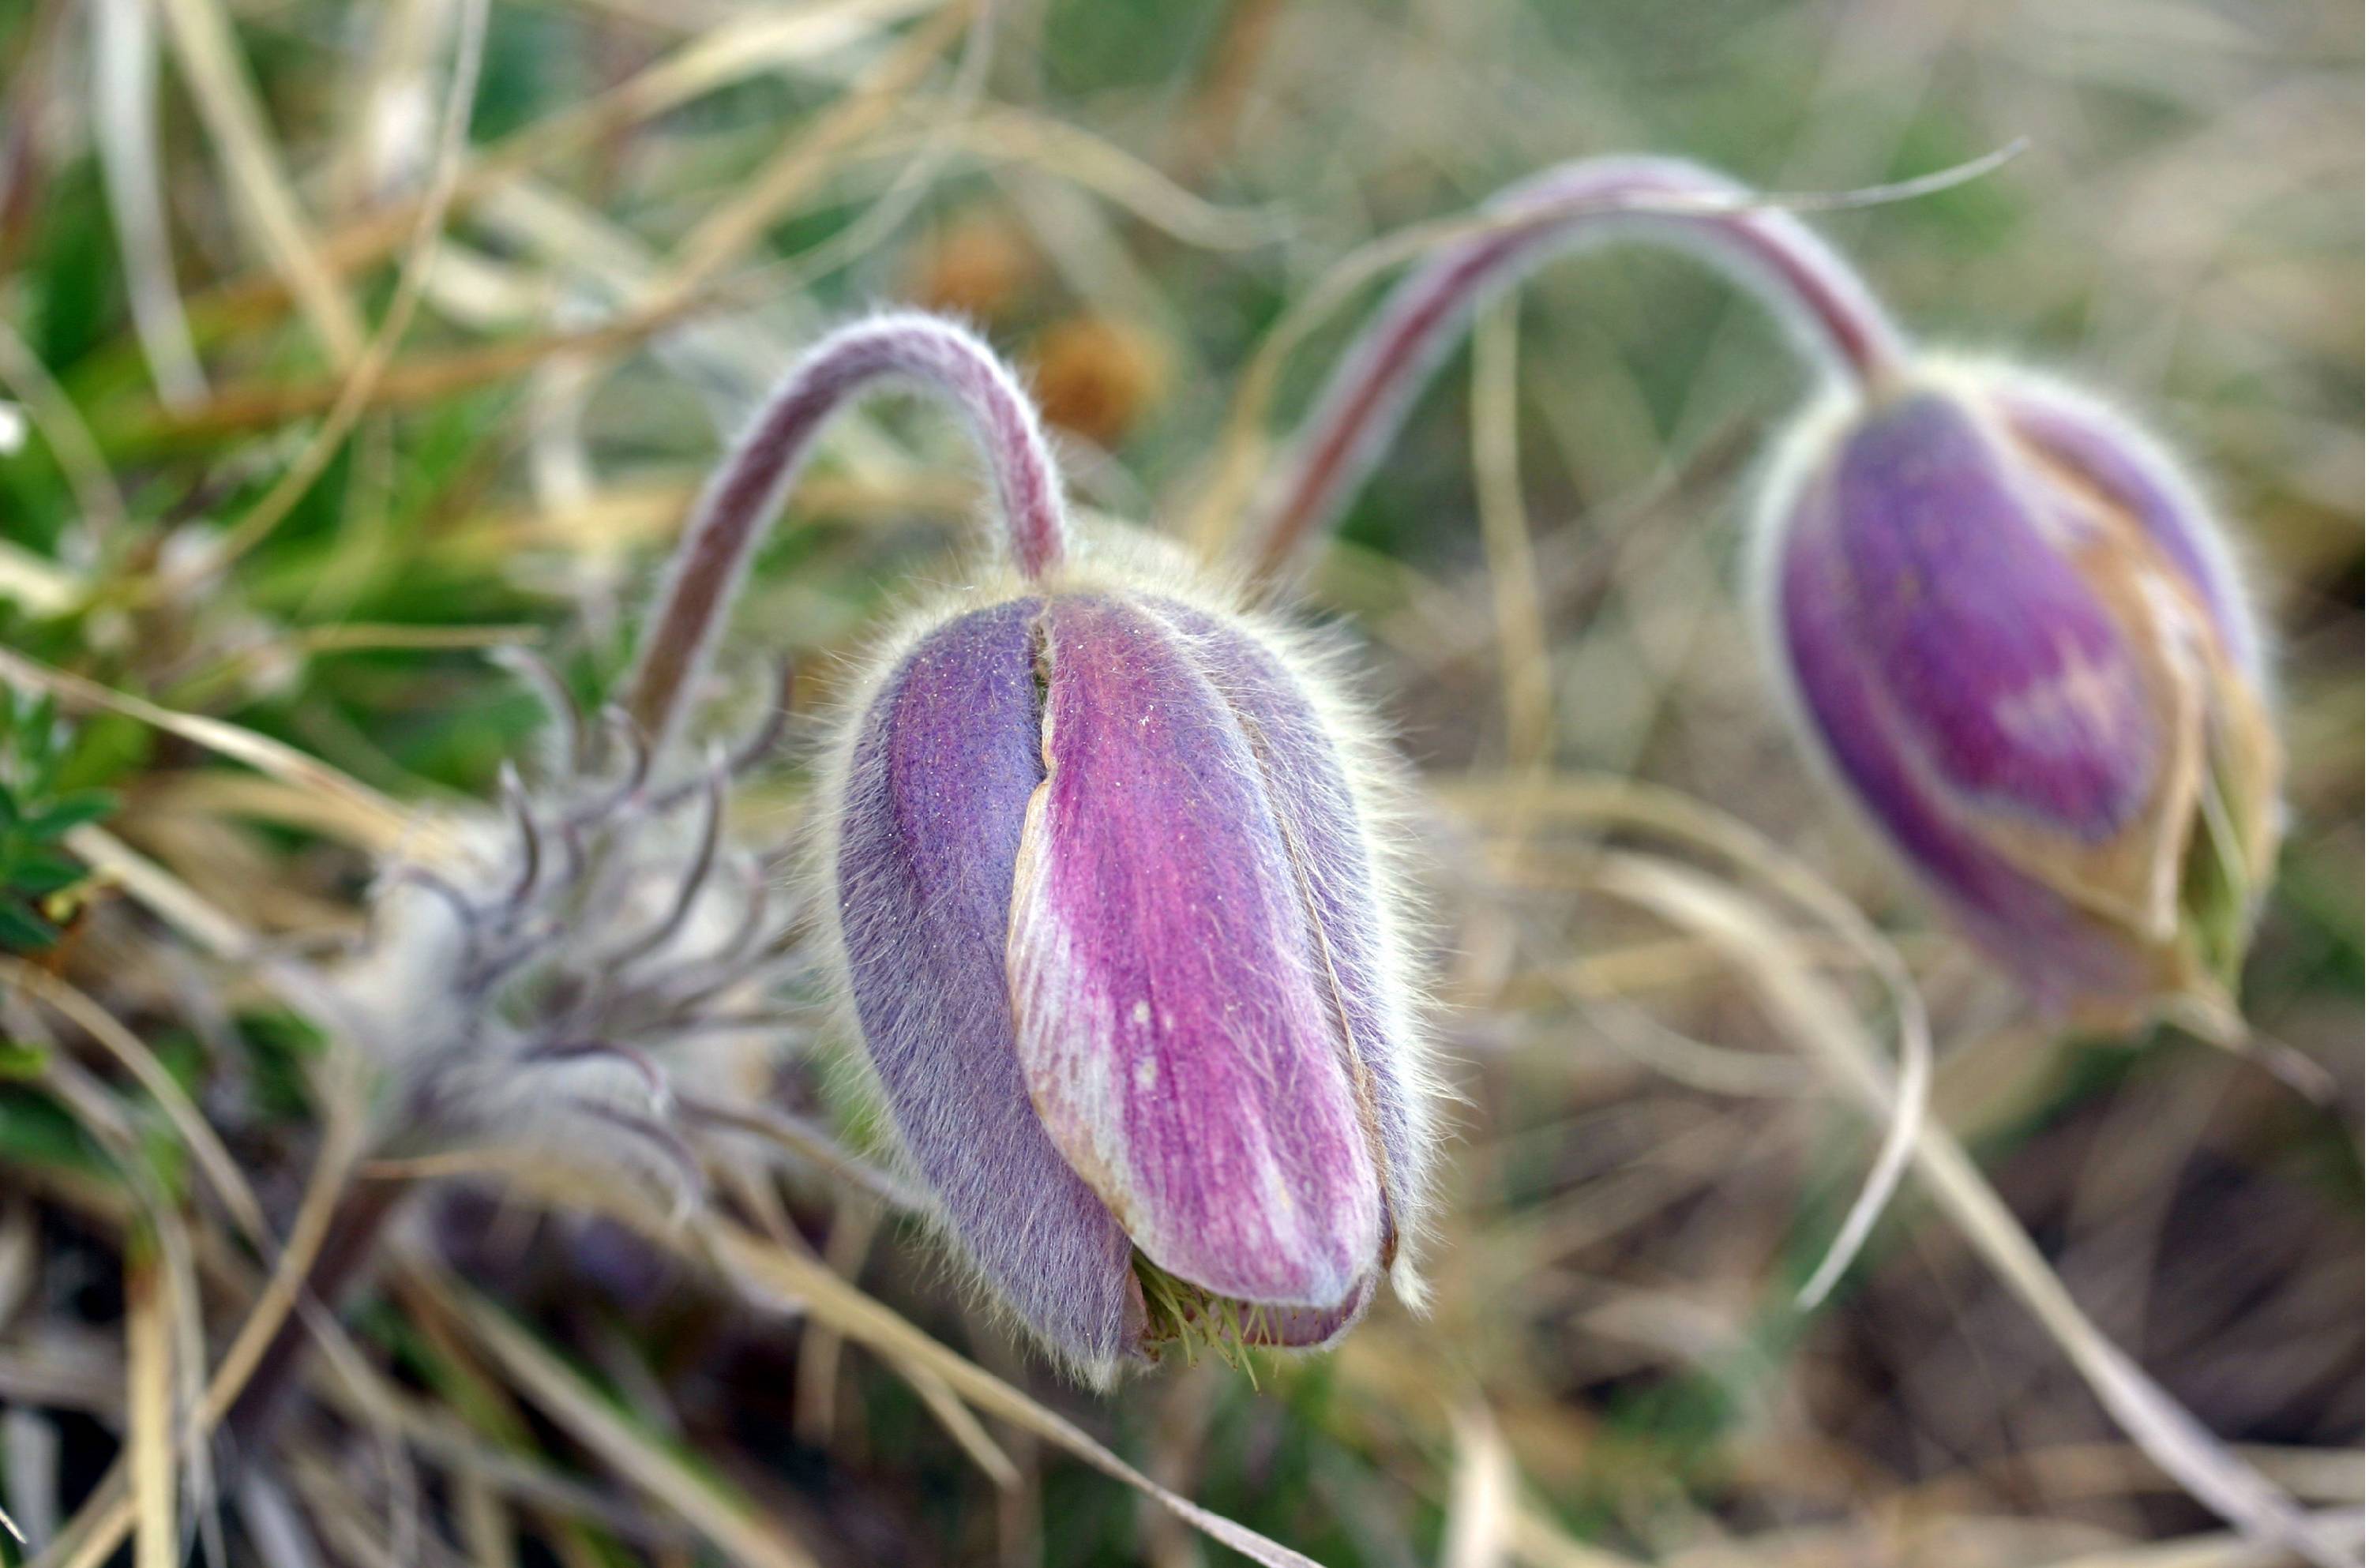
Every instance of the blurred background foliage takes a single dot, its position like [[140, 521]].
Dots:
[[660, 201]]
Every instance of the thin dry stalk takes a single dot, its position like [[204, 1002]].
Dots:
[[1822, 1025], [730, 1523], [208, 50], [148, 1396], [123, 61], [1482, 1513], [374, 813], [726, 234], [363, 376], [197, 1135], [70, 440], [1505, 536]]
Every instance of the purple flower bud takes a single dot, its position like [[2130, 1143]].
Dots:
[[2018, 638], [1124, 954]]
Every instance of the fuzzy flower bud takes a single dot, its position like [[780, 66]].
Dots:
[[2014, 631], [1102, 864], [1122, 948]]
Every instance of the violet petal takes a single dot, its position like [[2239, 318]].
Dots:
[[2125, 469], [2019, 687], [1303, 768], [1174, 1029], [939, 783]]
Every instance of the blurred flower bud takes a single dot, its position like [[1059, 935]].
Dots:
[[978, 265], [2016, 634], [1097, 376], [1124, 951]]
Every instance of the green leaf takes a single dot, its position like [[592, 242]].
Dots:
[[70, 811], [22, 930], [20, 1060], [38, 875], [33, 1131], [40, 735], [2217, 899]]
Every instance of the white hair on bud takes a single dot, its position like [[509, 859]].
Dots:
[[1786, 469]]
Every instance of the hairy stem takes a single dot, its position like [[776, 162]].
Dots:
[[748, 488], [1834, 315]]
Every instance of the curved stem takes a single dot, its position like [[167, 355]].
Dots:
[[1835, 318], [748, 488]]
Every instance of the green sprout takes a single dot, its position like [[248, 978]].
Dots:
[[35, 816], [1182, 1314]]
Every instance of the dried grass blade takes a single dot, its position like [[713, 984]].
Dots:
[[740, 49], [123, 61], [1822, 1023], [725, 234], [727, 1521], [363, 375], [415, 380], [1505, 537], [734, 49], [1481, 1505], [747, 1257], [107, 1516], [226, 101], [164, 896], [1000, 132], [485, 1520], [260, 752], [148, 1399], [273, 1525], [61, 424], [1668, 812], [775, 1277], [964, 1428], [1540, 1542], [2225, 1549], [134, 1055]]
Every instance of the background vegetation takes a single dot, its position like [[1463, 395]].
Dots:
[[262, 522]]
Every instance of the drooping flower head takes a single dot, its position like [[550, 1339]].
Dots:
[[2010, 626], [1124, 952], [2004, 617], [1104, 871]]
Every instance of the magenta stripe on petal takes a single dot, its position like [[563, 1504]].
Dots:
[[2014, 680], [1173, 1028], [943, 767]]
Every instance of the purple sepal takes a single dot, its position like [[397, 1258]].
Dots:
[[942, 768], [2059, 955], [2100, 449], [1303, 768], [1996, 660], [2018, 655], [1179, 1027], [1307, 1328]]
